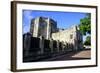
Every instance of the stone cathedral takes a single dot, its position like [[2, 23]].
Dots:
[[47, 28], [45, 39]]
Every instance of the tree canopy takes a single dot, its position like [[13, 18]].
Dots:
[[85, 28], [85, 24]]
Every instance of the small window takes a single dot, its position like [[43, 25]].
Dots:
[[71, 36]]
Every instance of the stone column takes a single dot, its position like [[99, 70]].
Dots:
[[48, 29], [62, 46], [51, 45], [65, 46], [75, 38], [42, 45], [36, 27], [58, 45]]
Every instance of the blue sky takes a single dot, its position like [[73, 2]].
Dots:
[[64, 19]]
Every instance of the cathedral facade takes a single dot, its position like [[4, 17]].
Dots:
[[46, 40], [47, 29]]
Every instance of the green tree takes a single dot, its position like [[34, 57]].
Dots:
[[85, 28], [85, 24]]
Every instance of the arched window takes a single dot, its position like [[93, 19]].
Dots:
[[71, 36]]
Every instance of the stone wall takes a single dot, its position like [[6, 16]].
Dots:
[[40, 48], [71, 36]]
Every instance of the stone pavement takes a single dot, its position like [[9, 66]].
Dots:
[[84, 54]]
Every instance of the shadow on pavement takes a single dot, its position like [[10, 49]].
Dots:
[[69, 56]]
